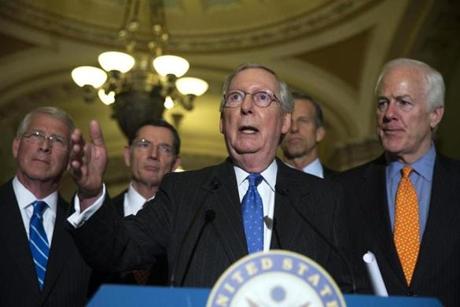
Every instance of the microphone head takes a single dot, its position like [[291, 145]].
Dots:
[[268, 222]]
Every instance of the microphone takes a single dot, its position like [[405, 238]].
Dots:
[[271, 224], [268, 222], [209, 216], [331, 245]]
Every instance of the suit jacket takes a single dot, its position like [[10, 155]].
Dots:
[[67, 273], [195, 219], [437, 272], [159, 267], [329, 173]]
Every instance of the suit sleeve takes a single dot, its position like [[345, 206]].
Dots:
[[113, 244]]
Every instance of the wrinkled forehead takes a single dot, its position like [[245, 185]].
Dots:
[[255, 78]]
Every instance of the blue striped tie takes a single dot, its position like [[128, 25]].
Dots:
[[38, 241], [253, 215]]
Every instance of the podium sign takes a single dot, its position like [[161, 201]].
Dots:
[[138, 296], [275, 278]]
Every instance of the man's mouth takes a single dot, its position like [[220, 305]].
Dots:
[[392, 130], [45, 161], [248, 130], [152, 168]]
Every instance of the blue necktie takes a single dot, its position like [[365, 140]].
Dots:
[[38, 241], [253, 215]]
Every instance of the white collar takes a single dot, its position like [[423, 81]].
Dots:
[[25, 198], [269, 175], [314, 168], [134, 197]]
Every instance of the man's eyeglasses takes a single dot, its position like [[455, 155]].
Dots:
[[37, 136], [262, 99], [163, 149]]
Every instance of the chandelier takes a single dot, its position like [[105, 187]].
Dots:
[[140, 84]]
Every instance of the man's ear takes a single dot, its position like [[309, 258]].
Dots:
[[15, 147], [320, 134], [221, 124], [286, 124], [436, 116], [127, 156], [176, 164]]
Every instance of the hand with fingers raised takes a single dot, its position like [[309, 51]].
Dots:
[[88, 161]]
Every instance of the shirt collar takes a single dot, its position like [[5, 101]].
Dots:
[[133, 197], [269, 175], [25, 198], [424, 166], [314, 168]]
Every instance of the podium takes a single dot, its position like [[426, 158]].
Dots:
[[137, 296]]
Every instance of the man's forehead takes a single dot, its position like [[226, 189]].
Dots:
[[255, 76], [43, 121], [156, 132]]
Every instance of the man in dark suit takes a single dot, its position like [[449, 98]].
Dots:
[[411, 184], [150, 154], [198, 218], [300, 145], [41, 149]]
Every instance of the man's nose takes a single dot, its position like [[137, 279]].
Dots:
[[247, 103], [45, 144], [390, 111]]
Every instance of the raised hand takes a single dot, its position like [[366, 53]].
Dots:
[[88, 162]]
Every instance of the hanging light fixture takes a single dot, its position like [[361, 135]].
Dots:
[[140, 85]]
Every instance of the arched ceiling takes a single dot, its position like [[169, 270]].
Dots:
[[331, 49]]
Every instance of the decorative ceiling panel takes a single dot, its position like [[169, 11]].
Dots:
[[195, 25]]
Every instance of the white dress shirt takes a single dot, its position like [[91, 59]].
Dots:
[[25, 199], [133, 201], [266, 189], [313, 168]]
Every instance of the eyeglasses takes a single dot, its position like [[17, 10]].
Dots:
[[162, 149], [37, 136], [262, 99]]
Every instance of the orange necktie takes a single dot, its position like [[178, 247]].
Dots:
[[407, 227]]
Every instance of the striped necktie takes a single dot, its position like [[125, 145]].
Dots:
[[38, 241], [407, 225], [253, 215]]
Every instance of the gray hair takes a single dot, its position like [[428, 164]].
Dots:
[[434, 83], [285, 97], [51, 111]]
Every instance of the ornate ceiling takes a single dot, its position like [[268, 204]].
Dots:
[[331, 49]]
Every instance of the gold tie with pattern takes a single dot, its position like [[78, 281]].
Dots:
[[407, 227]]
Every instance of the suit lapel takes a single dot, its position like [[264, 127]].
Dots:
[[118, 203], [375, 214], [15, 239], [287, 194], [61, 244], [226, 203], [441, 221], [219, 194]]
